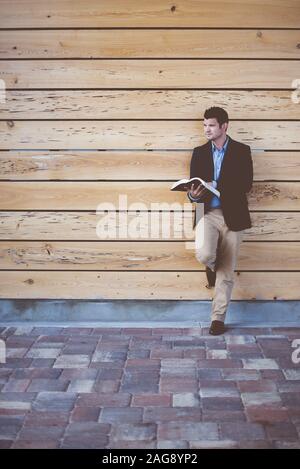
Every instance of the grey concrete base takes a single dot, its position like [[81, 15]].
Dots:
[[145, 312]]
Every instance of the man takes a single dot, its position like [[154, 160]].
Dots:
[[227, 165]]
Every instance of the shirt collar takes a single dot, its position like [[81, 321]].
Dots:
[[223, 147]]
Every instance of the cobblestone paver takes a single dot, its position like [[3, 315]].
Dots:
[[149, 388]]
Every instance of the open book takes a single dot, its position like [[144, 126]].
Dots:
[[184, 184]]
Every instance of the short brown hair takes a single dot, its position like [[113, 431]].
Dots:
[[217, 112]]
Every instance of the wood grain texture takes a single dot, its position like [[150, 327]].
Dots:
[[134, 196], [77, 82], [58, 225], [144, 285], [130, 165], [213, 43], [177, 135], [128, 255], [147, 104], [142, 13], [152, 73]]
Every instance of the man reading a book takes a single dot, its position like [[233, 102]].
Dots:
[[227, 165]]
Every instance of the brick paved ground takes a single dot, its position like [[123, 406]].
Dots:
[[149, 388]]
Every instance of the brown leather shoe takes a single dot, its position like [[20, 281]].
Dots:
[[217, 328], [211, 277]]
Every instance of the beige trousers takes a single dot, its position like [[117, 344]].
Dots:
[[219, 252]]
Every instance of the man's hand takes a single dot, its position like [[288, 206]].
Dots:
[[195, 192], [200, 189]]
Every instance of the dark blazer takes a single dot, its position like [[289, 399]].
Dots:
[[235, 180]]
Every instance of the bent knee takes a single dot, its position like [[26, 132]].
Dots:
[[205, 258]]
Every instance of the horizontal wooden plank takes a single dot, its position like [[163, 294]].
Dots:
[[127, 255], [51, 226], [213, 43], [144, 285], [139, 165], [146, 104], [142, 13], [82, 225], [177, 135], [150, 73], [129, 196]]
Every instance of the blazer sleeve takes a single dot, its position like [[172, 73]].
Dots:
[[244, 179], [243, 173], [194, 164], [193, 173]]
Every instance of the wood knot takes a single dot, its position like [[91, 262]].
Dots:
[[29, 281], [173, 8], [48, 248], [298, 45], [10, 123], [259, 34]]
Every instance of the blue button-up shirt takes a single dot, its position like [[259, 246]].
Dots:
[[218, 156]]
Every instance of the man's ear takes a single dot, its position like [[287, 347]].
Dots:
[[225, 126]]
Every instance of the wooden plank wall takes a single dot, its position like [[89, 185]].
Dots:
[[106, 98]]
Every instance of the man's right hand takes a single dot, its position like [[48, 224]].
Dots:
[[196, 192]]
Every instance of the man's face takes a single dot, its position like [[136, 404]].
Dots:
[[212, 129]]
